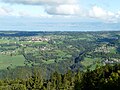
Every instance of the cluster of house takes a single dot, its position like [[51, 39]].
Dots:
[[39, 39], [103, 49], [111, 61]]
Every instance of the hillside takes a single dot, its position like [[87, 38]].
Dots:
[[56, 51], [103, 78]]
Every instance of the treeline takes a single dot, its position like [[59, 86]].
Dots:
[[103, 78]]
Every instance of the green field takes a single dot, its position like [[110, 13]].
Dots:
[[91, 62], [12, 61]]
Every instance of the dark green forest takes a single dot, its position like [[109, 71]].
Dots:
[[103, 78]]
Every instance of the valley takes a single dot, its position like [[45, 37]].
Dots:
[[58, 51]]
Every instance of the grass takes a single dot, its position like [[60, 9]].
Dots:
[[90, 62], [29, 50], [13, 61], [112, 50], [3, 41], [49, 61], [87, 62]]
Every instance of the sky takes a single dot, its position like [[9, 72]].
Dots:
[[26, 12]]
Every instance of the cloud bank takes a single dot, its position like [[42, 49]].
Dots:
[[66, 8]]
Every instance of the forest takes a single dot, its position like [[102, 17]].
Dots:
[[59, 60], [104, 78]]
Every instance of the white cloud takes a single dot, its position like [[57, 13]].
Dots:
[[100, 13], [65, 9], [5, 11], [97, 12], [39, 2]]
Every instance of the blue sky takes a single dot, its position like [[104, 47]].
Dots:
[[21, 11]]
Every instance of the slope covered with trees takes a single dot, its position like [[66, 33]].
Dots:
[[102, 78]]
